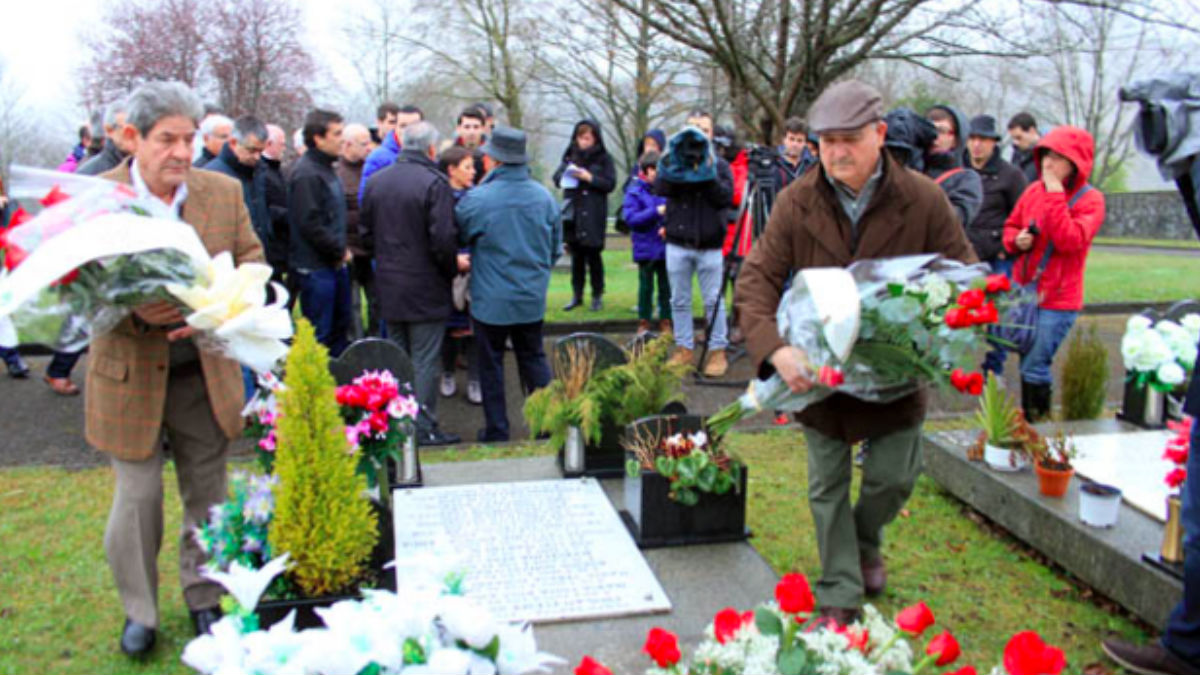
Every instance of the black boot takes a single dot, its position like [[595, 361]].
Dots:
[[1043, 396], [597, 304], [16, 366], [576, 301], [1035, 401]]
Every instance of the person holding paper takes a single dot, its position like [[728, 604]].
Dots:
[[586, 176]]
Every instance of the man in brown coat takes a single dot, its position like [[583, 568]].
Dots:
[[147, 377], [859, 204]]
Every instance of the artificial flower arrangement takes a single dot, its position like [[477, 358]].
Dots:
[[1178, 447], [690, 462], [429, 626], [96, 251], [786, 637], [261, 414], [236, 529], [1160, 355], [878, 329]]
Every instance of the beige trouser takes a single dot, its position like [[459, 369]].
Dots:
[[135, 525]]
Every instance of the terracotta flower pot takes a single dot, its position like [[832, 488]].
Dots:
[[1051, 482]]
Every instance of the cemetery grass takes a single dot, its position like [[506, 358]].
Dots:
[[1111, 276], [1147, 243], [59, 611]]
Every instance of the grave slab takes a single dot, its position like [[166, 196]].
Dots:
[[1132, 462], [698, 580], [1108, 560]]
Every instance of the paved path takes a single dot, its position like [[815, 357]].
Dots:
[[39, 427]]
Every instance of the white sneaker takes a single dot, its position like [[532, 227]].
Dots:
[[449, 387], [474, 393]]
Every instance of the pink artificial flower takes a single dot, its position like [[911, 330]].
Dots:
[[352, 437], [268, 442]]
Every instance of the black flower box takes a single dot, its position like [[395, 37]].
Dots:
[[657, 521], [605, 459]]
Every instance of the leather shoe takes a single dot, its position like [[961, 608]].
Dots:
[[203, 619], [597, 304], [63, 386], [1151, 659], [844, 616], [137, 640], [575, 302], [874, 575]]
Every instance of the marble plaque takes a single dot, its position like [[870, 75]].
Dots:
[[1132, 462], [537, 551]]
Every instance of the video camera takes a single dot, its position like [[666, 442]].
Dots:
[[1168, 128]]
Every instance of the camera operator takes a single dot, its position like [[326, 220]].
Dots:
[[698, 186]]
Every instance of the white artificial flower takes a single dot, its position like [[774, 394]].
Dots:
[[1191, 323], [1180, 340], [519, 653], [218, 651], [443, 662], [467, 621], [362, 636], [1145, 350], [699, 439], [275, 651], [937, 292], [245, 584], [1171, 374], [1137, 324]]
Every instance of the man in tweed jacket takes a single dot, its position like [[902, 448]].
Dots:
[[147, 378]]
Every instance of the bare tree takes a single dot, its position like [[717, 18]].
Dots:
[[141, 40], [375, 51], [778, 55], [27, 136], [257, 61]]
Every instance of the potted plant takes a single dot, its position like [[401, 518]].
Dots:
[[1052, 463], [681, 486], [998, 418], [322, 517], [585, 410]]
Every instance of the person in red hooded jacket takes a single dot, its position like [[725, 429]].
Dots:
[[1058, 215]]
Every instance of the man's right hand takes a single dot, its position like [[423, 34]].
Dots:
[[160, 313], [793, 366]]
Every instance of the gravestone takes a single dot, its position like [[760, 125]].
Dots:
[[524, 565], [605, 459]]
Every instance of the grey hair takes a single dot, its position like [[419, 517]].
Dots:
[[113, 111], [420, 136], [211, 123], [249, 125], [153, 101]]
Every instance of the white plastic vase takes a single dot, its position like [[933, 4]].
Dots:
[[1099, 504], [1003, 459]]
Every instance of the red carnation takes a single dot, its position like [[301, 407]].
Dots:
[[794, 595], [663, 647], [945, 647], [1176, 477], [727, 623], [971, 299], [1027, 654], [590, 666], [997, 283], [915, 619]]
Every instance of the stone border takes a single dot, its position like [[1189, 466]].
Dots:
[[1107, 560]]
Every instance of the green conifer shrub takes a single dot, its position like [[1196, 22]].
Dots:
[[322, 517], [1085, 376]]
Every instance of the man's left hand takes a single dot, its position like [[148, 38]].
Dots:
[[464, 262], [181, 334]]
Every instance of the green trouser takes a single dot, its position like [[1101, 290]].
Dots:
[[847, 535], [650, 272]]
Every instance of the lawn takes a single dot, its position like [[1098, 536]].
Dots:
[[1110, 277], [1147, 243], [60, 612]]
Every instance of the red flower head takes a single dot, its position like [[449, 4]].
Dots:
[[378, 421], [972, 299], [54, 196], [1176, 477], [915, 620], [987, 314], [859, 638], [965, 670], [794, 595], [830, 377], [945, 647], [351, 395], [958, 317], [18, 217], [728, 622], [1176, 455], [663, 647], [997, 283], [590, 666], [975, 384], [1027, 654]]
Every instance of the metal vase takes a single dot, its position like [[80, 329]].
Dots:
[[573, 462], [408, 461], [1172, 546], [1155, 408]]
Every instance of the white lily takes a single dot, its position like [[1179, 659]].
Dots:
[[443, 662], [245, 584], [276, 650], [519, 653], [467, 621], [218, 651]]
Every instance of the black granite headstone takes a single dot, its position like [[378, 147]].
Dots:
[[607, 353], [372, 354]]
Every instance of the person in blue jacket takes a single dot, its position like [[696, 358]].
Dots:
[[643, 213]]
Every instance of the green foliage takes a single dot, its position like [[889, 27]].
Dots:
[[996, 415], [322, 517], [618, 395], [1085, 376]]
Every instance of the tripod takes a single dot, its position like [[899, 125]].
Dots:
[[758, 197]]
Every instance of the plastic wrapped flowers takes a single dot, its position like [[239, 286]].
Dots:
[[96, 251], [426, 627], [1160, 355], [878, 329]]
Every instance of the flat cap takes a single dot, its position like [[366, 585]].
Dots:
[[844, 106]]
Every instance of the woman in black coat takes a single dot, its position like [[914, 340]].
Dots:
[[586, 176]]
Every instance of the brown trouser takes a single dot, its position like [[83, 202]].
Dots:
[[135, 525]]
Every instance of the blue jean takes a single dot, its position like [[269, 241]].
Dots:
[[532, 368], [708, 265], [1052, 328], [325, 302], [62, 364], [1183, 628], [994, 361]]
